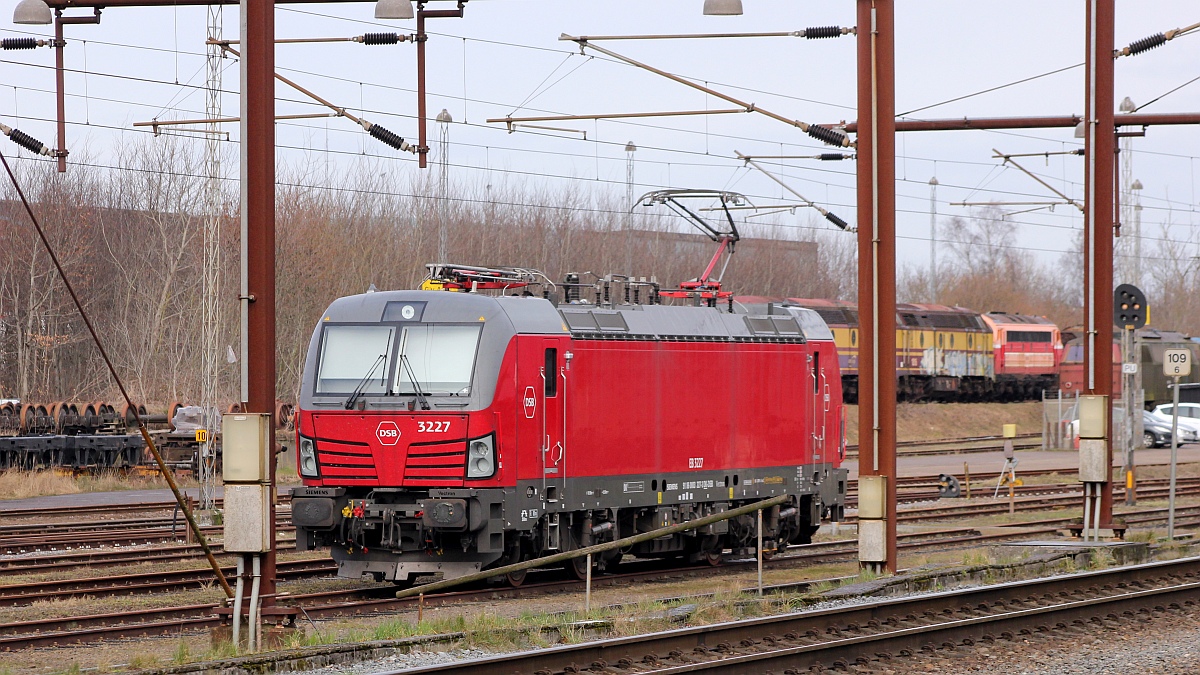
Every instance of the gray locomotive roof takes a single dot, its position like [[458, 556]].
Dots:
[[524, 314], [532, 315]]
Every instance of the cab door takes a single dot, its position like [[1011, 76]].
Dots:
[[541, 364], [554, 397], [824, 396]]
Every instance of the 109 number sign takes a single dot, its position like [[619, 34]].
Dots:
[[1177, 362]]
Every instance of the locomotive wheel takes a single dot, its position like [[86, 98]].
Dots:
[[611, 564], [171, 410], [577, 568], [9, 421], [58, 413], [283, 415], [713, 557], [515, 579], [130, 417], [28, 413]]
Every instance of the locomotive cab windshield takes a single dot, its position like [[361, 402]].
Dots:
[[404, 360]]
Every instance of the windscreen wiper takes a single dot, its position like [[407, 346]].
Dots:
[[362, 384], [408, 369]]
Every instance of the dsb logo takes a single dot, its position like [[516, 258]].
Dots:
[[529, 402], [388, 433]]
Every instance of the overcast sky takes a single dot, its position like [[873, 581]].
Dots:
[[504, 57]]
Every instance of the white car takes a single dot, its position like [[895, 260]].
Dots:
[[1189, 416]]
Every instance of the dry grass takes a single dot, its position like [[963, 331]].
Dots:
[[18, 484], [935, 421]]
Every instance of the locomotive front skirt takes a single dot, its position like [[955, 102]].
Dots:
[[443, 433]]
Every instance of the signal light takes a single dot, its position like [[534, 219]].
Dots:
[[1130, 309]]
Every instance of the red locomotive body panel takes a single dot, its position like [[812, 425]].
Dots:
[[632, 408], [461, 432], [1024, 345], [1070, 369]]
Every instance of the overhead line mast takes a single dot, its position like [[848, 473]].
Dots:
[[214, 211]]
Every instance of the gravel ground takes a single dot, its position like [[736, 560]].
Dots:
[[397, 662], [1163, 644]]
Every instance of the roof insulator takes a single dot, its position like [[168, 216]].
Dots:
[[822, 32], [833, 218], [826, 135], [390, 138], [1145, 44], [26, 141], [381, 38], [19, 43]]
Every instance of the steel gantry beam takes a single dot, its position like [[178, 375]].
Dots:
[[58, 6], [1049, 122], [876, 187]]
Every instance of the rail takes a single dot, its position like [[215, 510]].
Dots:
[[801, 639]]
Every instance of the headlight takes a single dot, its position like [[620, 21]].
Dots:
[[308, 458], [481, 458]]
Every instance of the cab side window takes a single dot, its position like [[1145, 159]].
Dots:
[[550, 379]]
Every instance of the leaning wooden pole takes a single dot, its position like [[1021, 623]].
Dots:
[[592, 550]]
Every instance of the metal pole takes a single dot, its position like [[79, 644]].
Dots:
[[1137, 233], [876, 206], [211, 288], [1174, 459], [1131, 412], [422, 142], [630, 148], [1098, 221], [59, 43], [933, 183], [258, 226], [587, 595], [760, 551]]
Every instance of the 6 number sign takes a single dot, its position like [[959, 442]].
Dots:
[[1177, 362]]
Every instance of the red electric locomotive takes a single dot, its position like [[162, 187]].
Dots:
[[443, 433]]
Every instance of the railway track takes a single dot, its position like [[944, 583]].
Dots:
[[65, 630], [147, 582], [72, 629], [52, 631], [872, 633], [59, 552], [966, 445]]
